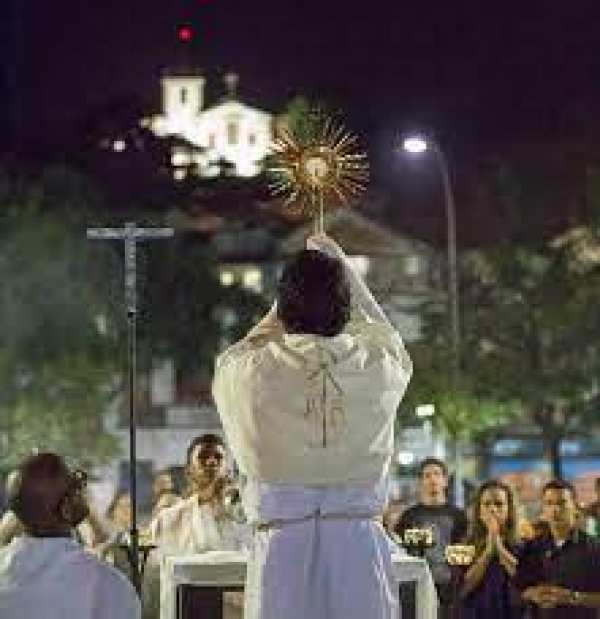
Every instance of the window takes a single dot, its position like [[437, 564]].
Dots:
[[232, 133], [252, 139], [183, 93], [212, 140]]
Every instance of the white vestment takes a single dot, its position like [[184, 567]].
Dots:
[[310, 421], [190, 528], [55, 578]]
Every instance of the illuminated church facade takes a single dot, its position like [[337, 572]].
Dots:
[[229, 132]]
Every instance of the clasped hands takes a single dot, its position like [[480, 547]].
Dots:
[[548, 596]]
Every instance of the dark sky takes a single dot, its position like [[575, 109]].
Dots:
[[468, 67], [478, 73]]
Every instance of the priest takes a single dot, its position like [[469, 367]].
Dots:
[[308, 400]]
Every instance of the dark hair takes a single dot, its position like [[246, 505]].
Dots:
[[431, 461], [37, 493], [203, 439], [313, 295], [478, 533], [560, 484]]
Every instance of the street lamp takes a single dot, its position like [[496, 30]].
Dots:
[[417, 145]]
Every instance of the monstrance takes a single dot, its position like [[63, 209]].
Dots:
[[317, 171]]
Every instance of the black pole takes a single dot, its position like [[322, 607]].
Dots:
[[131, 234], [131, 301]]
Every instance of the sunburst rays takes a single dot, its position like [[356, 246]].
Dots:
[[322, 169]]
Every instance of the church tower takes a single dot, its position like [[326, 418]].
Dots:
[[182, 102]]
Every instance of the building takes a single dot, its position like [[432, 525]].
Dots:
[[228, 132]]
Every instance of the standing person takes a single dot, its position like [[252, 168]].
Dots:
[[447, 523], [203, 521], [559, 570], [44, 572], [308, 400], [486, 587]]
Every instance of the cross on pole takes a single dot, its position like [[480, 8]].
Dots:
[[131, 235]]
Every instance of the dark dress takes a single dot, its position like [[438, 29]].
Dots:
[[493, 598]]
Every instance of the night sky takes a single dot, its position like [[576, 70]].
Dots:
[[479, 74]]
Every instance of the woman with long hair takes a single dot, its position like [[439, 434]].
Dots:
[[485, 585]]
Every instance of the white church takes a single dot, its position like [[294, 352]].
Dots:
[[229, 132]]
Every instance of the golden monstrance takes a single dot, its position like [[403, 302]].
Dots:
[[323, 168]]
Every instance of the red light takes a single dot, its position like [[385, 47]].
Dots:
[[185, 33]]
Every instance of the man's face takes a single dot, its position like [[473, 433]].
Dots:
[[433, 481], [559, 508], [206, 462]]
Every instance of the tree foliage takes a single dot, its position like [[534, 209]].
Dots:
[[530, 341], [63, 316]]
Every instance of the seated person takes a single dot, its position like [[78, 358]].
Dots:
[[44, 572]]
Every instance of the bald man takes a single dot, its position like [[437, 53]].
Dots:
[[44, 571]]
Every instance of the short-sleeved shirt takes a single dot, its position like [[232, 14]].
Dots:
[[449, 525]]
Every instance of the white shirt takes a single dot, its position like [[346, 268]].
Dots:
[[310, 410], [55, 578], [189, 528]]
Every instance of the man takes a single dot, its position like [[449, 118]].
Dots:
[[559, 571], [447, 523], [44, 572], [202, 522], [308, 400]]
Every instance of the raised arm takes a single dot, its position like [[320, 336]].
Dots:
[[361, 295]]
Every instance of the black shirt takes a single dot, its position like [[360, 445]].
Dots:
[[574, 565], [449, 526]]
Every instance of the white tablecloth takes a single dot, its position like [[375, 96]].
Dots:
[[228, 569]]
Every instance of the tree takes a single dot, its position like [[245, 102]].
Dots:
[[58, 335], [531, 334]]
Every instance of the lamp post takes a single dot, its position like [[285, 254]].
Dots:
[[417, 145]]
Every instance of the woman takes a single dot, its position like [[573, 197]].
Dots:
[[485, 587]]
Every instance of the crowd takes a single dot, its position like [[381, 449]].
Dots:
[[308, 400], [59, 554]]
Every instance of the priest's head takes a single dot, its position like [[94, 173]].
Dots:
[[49, 498], [314, 295]]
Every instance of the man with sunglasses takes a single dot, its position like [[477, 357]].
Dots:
[[45, 572]]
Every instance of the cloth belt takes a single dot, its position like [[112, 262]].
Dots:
[[278, 523]]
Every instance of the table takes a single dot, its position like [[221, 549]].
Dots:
[[197, 582]]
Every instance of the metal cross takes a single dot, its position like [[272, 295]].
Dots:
[[130, 234]]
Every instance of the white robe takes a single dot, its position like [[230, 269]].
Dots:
[[331, 458], [310, 421], [320, 568], [55, 578], [189, 528]]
